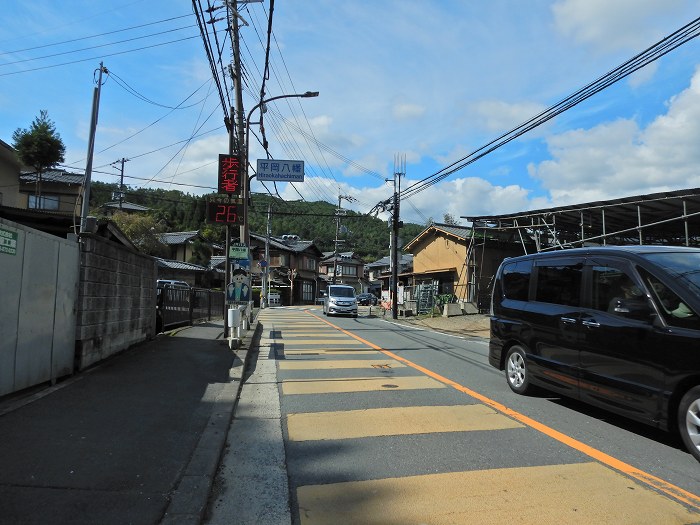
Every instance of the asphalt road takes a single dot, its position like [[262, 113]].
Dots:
[[385, 423]]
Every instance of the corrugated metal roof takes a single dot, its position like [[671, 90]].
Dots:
[[658, 218]]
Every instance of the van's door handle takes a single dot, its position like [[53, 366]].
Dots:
[[592, 324], [569, 320]]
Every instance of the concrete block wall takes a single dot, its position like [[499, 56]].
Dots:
[[116, 301]]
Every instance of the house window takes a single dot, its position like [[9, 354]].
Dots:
[[278, 260], [347, 270], [309, 264], [43, 202], [307, 291]]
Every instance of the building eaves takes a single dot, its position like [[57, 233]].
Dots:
[[460, 232], [180, 265], [177, 237], [125, 206], [57, 176]]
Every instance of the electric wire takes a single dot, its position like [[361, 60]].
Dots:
[[83, 38], [681, 36], [71, 51], [95, 58]]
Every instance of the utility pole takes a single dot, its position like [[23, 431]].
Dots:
[[396, 224], [85, 208], [266, 269], [348, 198], [121, 184], [235, 143]]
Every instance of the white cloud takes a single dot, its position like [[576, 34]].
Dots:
[[619, 159], [408, 111], [613, 25], [499, 116]]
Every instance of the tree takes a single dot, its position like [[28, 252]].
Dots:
[[449, 219], [201, 253], [143, 231], [40, 147]]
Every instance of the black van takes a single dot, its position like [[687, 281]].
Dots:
[[616, 327]]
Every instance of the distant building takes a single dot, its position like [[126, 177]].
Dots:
[[344, 268]]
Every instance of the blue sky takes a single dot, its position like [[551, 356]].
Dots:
[[428, 82]]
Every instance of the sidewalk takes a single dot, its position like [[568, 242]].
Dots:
[[137, 439]]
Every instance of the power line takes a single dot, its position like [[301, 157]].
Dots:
[[83, 38], [671, 42], [92, 47], [100, 57]]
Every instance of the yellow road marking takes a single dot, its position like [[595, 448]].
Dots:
[[311, 342], [368, 384], [327, 351], [328, 335], [575, 494], [395, 421], [315, 364], [612, 462]]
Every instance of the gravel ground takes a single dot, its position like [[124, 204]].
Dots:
[[476, 325]]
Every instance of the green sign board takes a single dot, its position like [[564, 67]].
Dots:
[[8, 242], [238, 251]]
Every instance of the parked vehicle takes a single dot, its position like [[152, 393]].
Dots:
[[615, 327], [340, 299], [366, 299]]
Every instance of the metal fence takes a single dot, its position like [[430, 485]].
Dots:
[[180, 306]]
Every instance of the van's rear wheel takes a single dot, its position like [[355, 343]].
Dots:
[[689, 421], [516, 370]]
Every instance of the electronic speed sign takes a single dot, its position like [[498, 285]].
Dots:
[[223, 209]]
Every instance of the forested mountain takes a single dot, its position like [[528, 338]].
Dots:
[[174, 210]]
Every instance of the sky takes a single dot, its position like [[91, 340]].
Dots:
[[404, 87]]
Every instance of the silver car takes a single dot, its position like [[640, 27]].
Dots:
[[340, 299]]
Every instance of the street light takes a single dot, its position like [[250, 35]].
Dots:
[[245, 230]]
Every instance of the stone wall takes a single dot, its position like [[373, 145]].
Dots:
[[116, 301]]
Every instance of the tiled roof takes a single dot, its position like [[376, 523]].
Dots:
[[461, 232], [216, 261], [179, 265], [404, 259], [126, 206], [59, 176], [177, 237], [458, 231], [291, 245]]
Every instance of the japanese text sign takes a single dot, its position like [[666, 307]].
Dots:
[[280, 170], [230, 175]]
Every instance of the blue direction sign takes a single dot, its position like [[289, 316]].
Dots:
[[280, 170]]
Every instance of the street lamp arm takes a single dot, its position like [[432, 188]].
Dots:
[[245, 231], [307, 94]]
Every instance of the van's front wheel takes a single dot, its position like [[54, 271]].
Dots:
[[689, 421], [516, 370]]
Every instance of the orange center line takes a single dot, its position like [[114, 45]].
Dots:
[[667, 488]]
